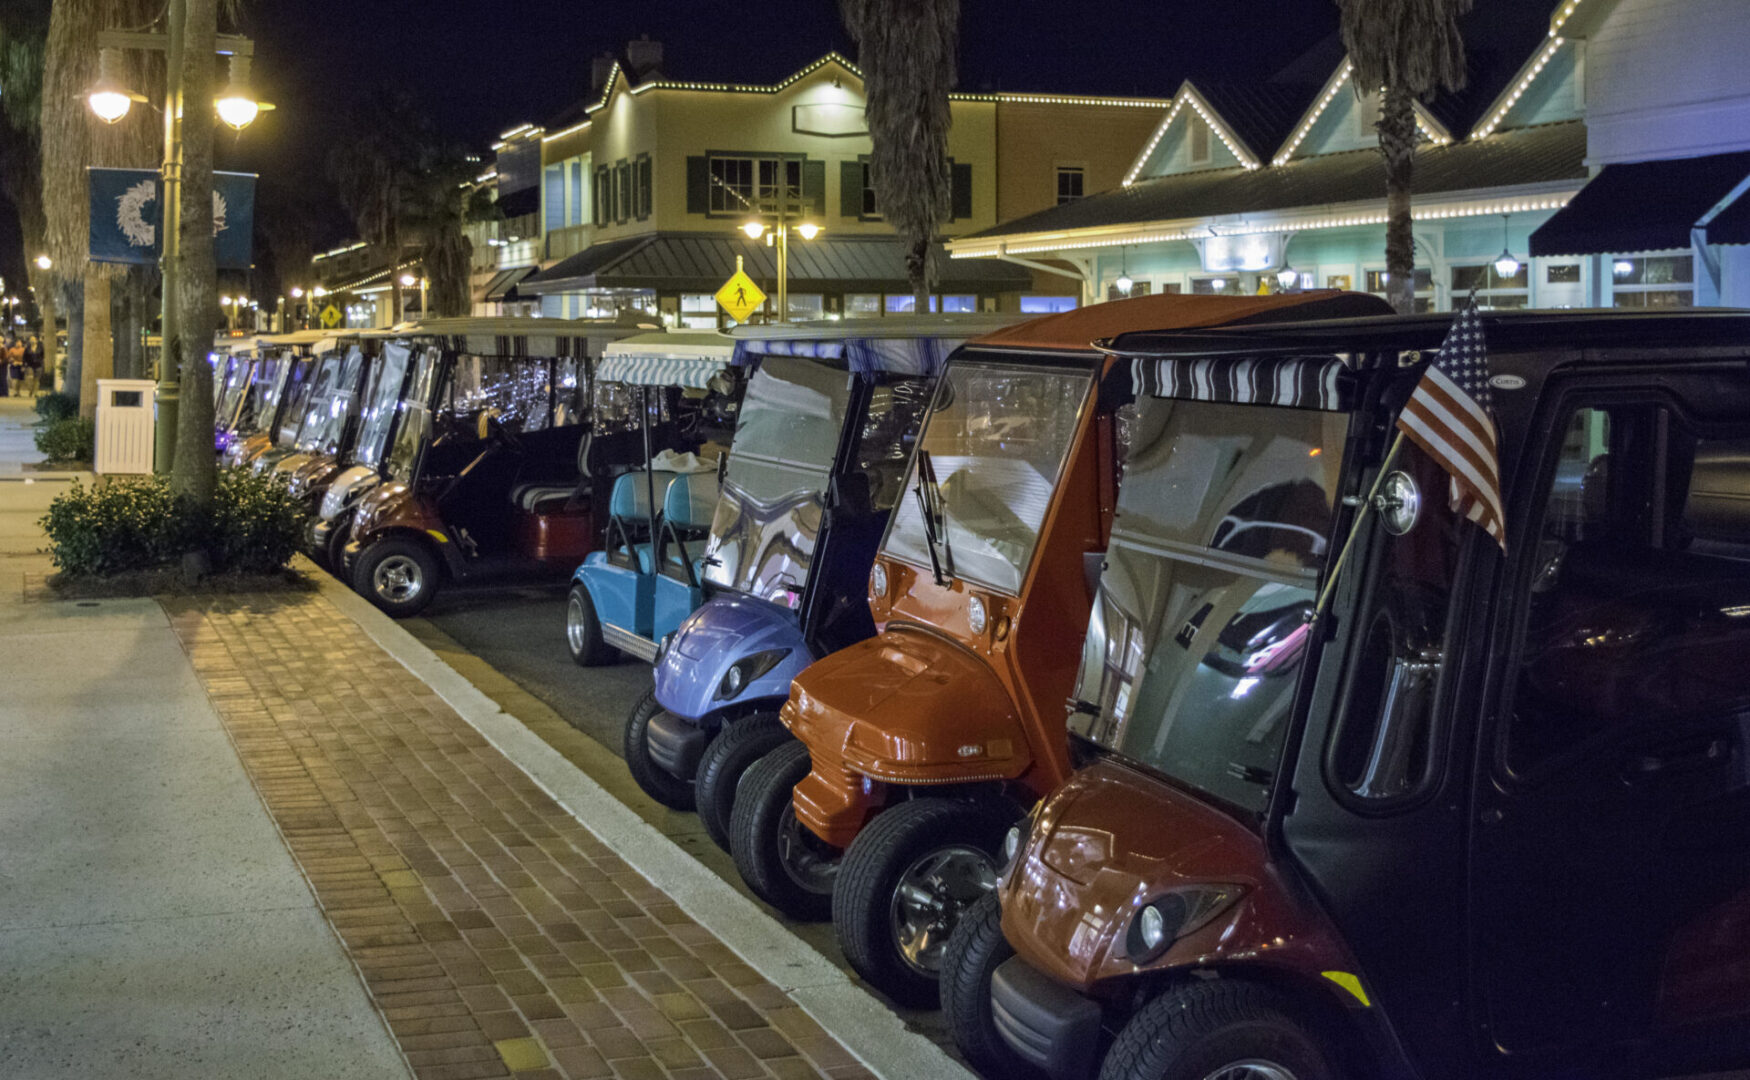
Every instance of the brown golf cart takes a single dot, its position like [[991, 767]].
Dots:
[[1424, 810], [485, 473], [916, 749]]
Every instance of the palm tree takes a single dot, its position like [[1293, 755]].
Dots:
[[907, 50], [378, 169], [1405, 49], [194, 473], [446, 200], [24, 30]]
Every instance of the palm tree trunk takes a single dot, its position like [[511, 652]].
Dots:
[[194, 474], [46, 288], [1397, 140], [73, 293], [98, 359]]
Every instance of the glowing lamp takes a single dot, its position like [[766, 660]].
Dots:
[[109, 97], [1125, 284], [225, 301], [296, 292], [1506, 265], [1286, 277], [808, 229], [409, 280], [236, 103], [43, 262], [1218, 284], [754, 229], [318, 291], [1622, 268]]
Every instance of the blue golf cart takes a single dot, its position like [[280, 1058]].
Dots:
[[817, 464]]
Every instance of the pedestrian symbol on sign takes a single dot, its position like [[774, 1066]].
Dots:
[[739, 296]]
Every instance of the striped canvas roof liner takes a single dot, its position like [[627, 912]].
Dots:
[[1294, 382]]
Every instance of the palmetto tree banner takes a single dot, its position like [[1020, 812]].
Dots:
[[126, 215]]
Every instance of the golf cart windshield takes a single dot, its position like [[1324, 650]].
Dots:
[[300, 381], [768, 513], [382, 397], [416, 424], [231, 393], [994, 443], [1223, 526], [331, 403]]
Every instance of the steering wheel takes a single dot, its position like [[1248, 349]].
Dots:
[[492, 427]]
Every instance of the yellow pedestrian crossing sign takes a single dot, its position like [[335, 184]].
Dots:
[[331, 316], [739, 295]]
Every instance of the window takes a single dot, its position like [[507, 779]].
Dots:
[[863, 304], [1640, 585], [1218, 286], [957, 304], [574, 214], [1493, 290], [1198, 139], [553, 196], [1562, 274], [869, 209], [1653, 281], [641, 189], [1047, 305], [698, 311], [604, 195], [900, 305], [1070, 179], [740, 185], [807, 306], [622, 192], [1376, 280]]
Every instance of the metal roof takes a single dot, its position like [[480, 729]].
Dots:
[[1535, 155], [701, 262]]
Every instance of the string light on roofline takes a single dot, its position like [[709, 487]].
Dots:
[[1543, 57], [1313, 116]]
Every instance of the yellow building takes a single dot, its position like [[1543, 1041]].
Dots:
[[645, 189]]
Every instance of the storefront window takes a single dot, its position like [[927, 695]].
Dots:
[[1652, 281], [1228, 285], [1376, 281], [1494, 290], [863, 304], [1047, 305], [698, 311], [807, 306]]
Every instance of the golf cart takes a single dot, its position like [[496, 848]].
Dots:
[[233, 363], [1484, 815], [919, 747], [276, 379], [319, 420], [826, 427], [361, 462], [484, 469]]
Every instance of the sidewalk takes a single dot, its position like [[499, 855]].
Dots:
[[492, 930]]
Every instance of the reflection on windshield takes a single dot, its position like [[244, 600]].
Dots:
[[299, 384], [415, 425], [381, 399], [767, 522], [331, 406], [236, 382], [516, 391], [997, 437], [1205, 604]]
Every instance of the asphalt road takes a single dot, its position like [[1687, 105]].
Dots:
[[509, 640]]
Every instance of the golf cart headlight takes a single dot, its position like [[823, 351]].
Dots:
[[1011, 845], [1173, 915], [878, 581], [975, 615], [746, 670]]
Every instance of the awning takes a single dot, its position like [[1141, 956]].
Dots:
[[1319, 382], [702, 262], [1644, 206], [503, 284], [676, 359], [1731, 225]]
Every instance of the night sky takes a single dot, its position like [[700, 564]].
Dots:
[[484, 66]]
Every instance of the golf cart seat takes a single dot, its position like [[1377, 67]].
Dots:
[[686, 517], [630, 517], [528, 496]]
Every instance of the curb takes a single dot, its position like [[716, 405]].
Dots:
[[867, 1029]]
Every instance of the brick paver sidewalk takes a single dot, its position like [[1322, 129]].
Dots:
[[497, 935]]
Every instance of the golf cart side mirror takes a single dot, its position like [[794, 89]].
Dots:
[[850, 494]]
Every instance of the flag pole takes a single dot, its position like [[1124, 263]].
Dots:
[[1391, 456]]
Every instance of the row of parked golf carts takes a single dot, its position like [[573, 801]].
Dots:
[[1068, 668]]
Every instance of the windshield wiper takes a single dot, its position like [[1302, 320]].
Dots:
[[1251, 774], [934, 517]]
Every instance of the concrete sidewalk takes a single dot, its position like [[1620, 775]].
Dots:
[[152, 924]]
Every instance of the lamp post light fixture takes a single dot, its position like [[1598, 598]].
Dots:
[[778, 236], [43, 262], [109, 97]]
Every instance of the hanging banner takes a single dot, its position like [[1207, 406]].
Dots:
[[126, 215]]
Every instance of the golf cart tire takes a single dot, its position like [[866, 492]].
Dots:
[[895, 842], [1198, 1029], [761, 804], [651, 778], [584, 640], [739, 743], [334, 558], [412, 554], [975, 950]]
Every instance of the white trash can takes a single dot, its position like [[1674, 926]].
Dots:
[[125, 419]]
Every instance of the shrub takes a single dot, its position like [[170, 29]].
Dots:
[[57, 406], [73, 439], [136, 524]]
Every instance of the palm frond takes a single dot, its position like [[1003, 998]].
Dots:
[[1410, 45]]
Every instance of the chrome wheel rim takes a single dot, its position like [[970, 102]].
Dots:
[[398, 579], [574, 628], [929, 899], [1253, 1069], [806, 859]]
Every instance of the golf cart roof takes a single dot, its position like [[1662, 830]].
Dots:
[[524, 336], [305, 341], [1078, 330], [909, 345], [687, 358]]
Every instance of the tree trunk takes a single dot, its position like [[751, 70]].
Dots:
[[1397, 141], [128, 323], [194, 474], [73, 292], [46, 296], [98, 359], [917, 271]]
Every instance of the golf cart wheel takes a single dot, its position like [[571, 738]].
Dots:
[[1226, 1029], [906, 879], [334, 557], [652, 779], [737, 746], [583, 631], [782, 862], [399, 576], [975, 950]]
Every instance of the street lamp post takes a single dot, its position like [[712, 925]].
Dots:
[[236, 107], [780, 239]]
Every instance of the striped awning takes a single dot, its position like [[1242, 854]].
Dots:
[[865, 356], [666, 359], [1313, 382]]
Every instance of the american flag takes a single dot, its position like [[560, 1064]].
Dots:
[[1448, 416]]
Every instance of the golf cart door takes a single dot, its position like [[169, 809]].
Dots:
[[1611, 860]]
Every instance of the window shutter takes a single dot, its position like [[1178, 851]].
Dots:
[[623, 186], [814, 185], [851, 189], [643, 188], [601, 196], [961, 202], [698, 185]]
